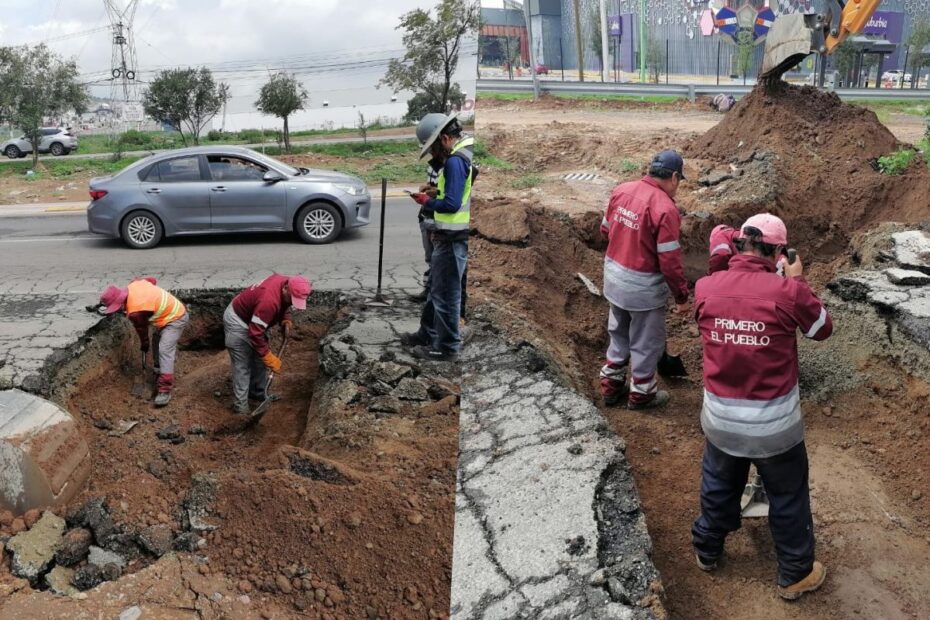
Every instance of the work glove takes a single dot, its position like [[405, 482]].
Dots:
[[272, 362], [421, 199]]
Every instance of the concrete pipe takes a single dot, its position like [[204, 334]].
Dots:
[[44, 460]]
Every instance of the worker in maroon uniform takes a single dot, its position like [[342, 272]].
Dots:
[[748, 317], [641, 267], [722, 247], [145, 305], [246, 323]]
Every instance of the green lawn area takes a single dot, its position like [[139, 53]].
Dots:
[[374, 148], [66, 168], [133, 140], [499, 96]]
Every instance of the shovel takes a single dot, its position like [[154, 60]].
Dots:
[[260, 411], [138, 386], [671, 366], [754, 503]]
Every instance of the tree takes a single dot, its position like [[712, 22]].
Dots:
[[916, 42], [420, 105], [185, 99], [433, 41], [224, 93], [844, 59], [655, 57], [38, 84], [362, 128], [281, 96], [745, 48]]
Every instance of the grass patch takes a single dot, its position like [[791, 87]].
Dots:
[[527, 181], [66, 169], [628, 166], [885, 107], [895, 163], [652, 99], [361, 150], [486, 159], [412, 173]]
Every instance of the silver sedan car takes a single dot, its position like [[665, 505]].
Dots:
[[204, 190]]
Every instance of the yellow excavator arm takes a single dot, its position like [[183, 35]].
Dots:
[[853, 19], [793, 37]]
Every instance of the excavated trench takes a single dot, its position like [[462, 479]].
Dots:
[[868, 430], [324, 509]]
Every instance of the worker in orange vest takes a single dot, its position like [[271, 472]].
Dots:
[[146, 304]]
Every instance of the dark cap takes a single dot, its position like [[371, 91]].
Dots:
[[669, 160]]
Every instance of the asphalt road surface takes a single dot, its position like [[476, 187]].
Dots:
[[54, 253], [51, 267]]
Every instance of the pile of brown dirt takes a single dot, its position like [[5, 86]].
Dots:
[[823, 151], [347, 518]]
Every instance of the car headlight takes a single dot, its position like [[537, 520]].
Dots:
[[352, 190]]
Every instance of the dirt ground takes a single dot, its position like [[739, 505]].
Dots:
[[318, 514], [867, 439]]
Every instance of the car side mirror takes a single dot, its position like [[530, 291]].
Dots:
[[272, 177]]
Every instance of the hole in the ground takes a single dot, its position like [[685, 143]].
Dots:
[[322, 507]]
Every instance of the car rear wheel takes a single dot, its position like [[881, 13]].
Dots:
[[318, 223], [58, 149], [12, 151], [141, 230]]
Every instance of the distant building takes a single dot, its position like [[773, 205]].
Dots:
[[503, 33], [679, 31]]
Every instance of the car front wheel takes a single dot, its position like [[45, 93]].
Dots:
[[12, 151], [318, 223], [141, 230]]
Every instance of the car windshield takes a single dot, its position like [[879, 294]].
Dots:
[[274, 163]]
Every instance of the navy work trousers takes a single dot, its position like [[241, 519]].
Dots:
[[439, 322], [785, 477]]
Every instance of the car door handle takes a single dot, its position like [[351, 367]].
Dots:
[[218, 188], [154, 190]]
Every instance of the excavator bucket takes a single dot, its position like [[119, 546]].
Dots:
[[791, 39]]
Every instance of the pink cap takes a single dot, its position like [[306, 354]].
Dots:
[[114, 298], [300, 288], [772, 228]]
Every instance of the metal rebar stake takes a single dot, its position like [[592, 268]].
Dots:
[[379, 299]]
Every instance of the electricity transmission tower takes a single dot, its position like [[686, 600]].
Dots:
[[123, 69]]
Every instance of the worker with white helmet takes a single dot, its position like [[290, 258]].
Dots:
[[748, 316]]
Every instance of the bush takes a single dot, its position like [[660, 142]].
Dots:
[[896, 162], [134, 137], [215, 136], [251, 136]]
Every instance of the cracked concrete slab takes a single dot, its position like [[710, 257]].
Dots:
[[531, 527]]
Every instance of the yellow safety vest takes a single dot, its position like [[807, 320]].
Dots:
[[461, 218]]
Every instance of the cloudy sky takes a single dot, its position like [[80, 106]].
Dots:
[[337, 47]]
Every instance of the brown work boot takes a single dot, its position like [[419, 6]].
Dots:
[[661, 399], [810, 583]]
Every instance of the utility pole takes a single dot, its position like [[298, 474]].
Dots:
[[642, 41], [605, 56], [529, 41], [578, 41]]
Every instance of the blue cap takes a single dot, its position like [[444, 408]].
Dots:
[[669, 160]]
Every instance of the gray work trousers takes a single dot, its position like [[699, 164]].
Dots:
[[427, 251], [249, 374], [637, 338], [165, 344]]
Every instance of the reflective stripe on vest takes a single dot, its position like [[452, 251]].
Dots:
[[146, 297], [461, 218]]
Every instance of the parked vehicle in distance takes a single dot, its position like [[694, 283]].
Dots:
[[223, 189], [55, 140], [896, 75], [542, 70]]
